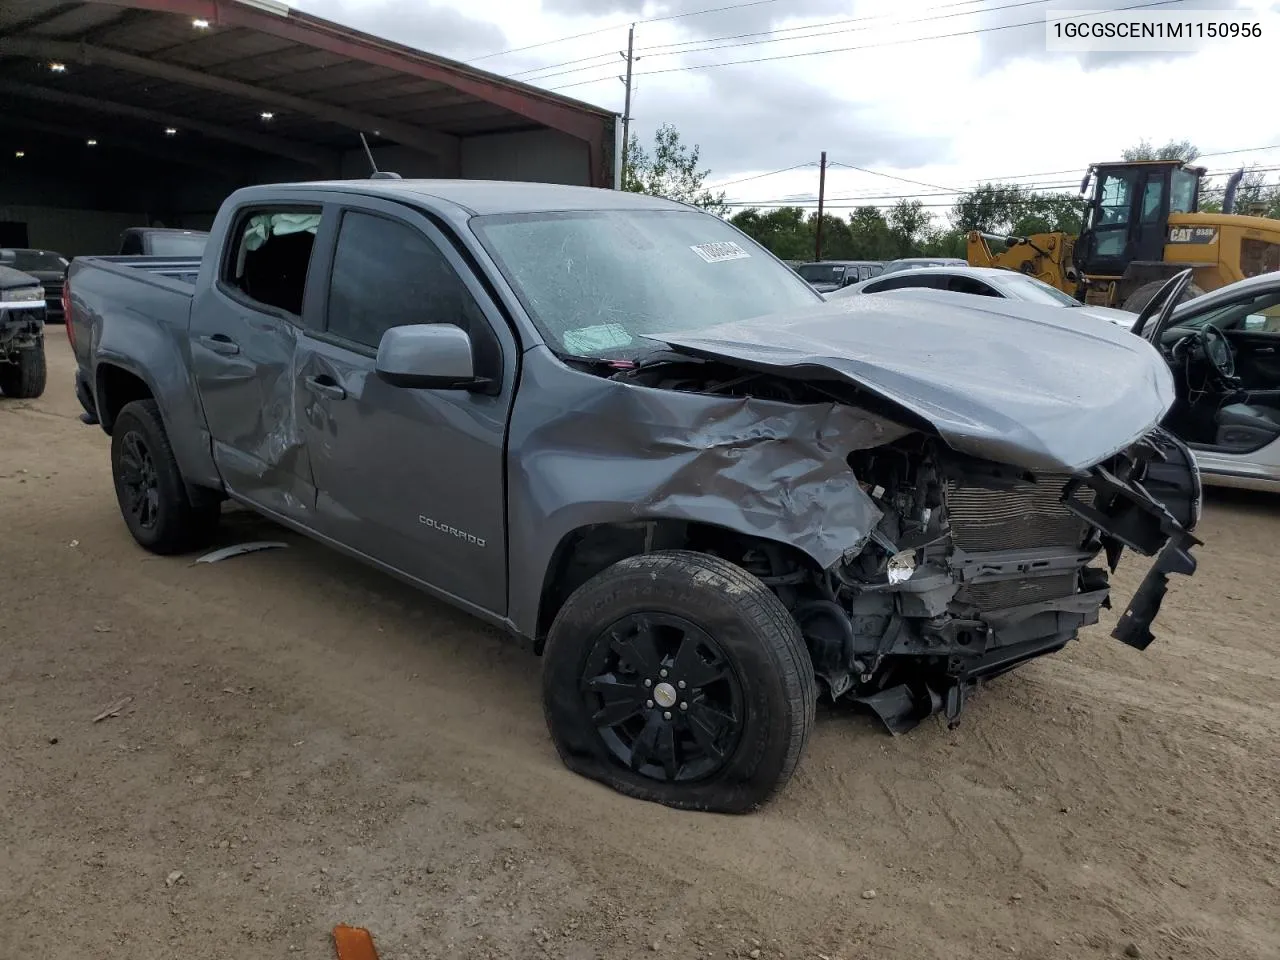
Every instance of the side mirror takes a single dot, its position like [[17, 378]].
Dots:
[[428, 356]]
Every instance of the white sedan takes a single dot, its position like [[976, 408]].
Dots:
[[982, 282]]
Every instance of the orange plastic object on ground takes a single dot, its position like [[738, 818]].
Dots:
[[353, 943]]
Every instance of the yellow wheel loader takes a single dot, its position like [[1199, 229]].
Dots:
[[1142, 225]]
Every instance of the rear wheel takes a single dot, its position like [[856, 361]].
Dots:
[[1142, 296], [25, 378], [679, 678], [154, 501]]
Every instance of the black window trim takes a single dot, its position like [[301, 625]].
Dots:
[[232, 239], [485, 304]]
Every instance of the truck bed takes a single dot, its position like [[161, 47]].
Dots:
[[145, 295], [183, 270]]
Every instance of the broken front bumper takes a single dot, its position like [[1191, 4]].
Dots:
[[1146, 499], [1149, 500]]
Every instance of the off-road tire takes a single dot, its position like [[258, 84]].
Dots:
[[760, 640], [1138, 300], [183, 520], [25, 379]]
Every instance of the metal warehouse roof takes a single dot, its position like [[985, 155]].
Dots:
[[257, 75]]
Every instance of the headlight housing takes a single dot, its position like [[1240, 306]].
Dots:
[[23, 295]]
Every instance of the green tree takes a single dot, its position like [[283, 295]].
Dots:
[[945, 243], [870, 236], [671, 171], [992, 208], [1183, 150], [1253, 195], [837, 240], [1008, 208], [909, 225], [784, 231]]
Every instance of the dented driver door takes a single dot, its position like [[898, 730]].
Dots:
[[245, 323]]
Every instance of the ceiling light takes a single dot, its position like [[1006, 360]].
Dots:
[[58, 67], [267, 115], [170, 131], [19, 154], [200, 23], [92, 143]]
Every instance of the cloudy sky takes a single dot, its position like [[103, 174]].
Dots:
[[940, 94]]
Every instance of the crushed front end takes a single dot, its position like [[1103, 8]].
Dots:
[[978, 567]]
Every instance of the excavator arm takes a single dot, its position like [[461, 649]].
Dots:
[[1045, 256]]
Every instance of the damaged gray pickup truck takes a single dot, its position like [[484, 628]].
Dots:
[[616, 427]]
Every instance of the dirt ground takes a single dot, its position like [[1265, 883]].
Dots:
[[310, 743]]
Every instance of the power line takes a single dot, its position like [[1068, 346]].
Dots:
[[1040, 191], [943, 16], [868, 46], [760, 176], [619, 26], [1215, 153], [811, 26], [771, 36], [877, 173]]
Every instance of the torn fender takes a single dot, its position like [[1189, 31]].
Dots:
[[587, 450]]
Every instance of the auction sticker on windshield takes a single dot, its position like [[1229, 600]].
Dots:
[[719, 252]]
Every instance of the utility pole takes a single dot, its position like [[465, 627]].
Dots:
[[626, 109], [822, 190]]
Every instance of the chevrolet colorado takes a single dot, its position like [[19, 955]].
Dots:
[[616, 427]]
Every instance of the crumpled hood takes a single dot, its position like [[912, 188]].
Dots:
[[1023, 384]]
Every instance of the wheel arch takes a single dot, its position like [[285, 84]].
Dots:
[[586, 550], [114, 387]]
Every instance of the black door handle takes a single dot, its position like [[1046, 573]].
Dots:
[[325, 387], [222, 344]]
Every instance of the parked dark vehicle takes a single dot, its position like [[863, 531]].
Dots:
[[827, 275], [162, 242], [915, 263], [618, 428], [22, 313], [46, 266]]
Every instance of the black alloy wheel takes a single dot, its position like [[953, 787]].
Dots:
[[139, 481], [663, 697], [679, 678]]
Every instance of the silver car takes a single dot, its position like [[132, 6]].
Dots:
[[981, 282], [1224, 350]]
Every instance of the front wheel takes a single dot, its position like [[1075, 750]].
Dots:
[[24, 379], [679, 678]]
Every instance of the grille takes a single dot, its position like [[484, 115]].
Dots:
[[1002, 594], [1027, 515], [53, 295]]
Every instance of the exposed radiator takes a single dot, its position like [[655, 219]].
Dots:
[[1028, 515], [1003, 594]]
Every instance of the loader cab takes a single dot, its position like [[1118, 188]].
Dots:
[[1127, 218]]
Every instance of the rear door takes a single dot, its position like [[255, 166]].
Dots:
[[244, 331], [411, 478]]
